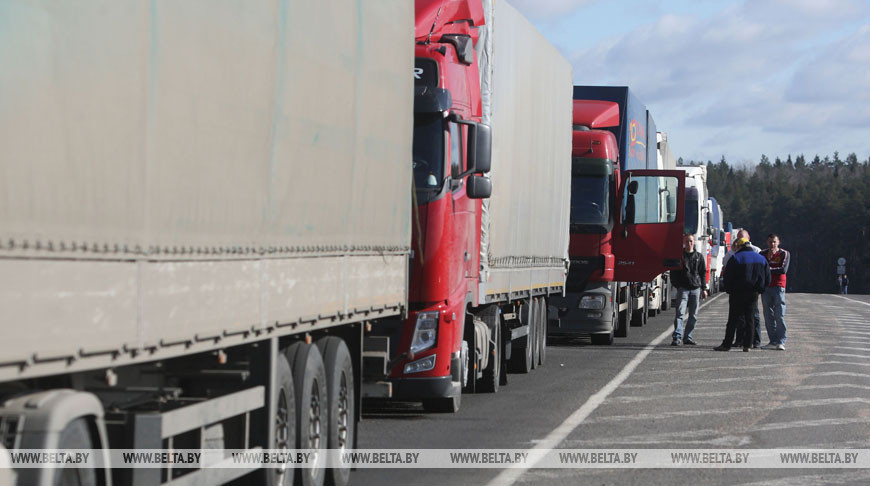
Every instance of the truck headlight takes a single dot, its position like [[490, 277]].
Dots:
[[425, 332], [420, 365], [592, 302]]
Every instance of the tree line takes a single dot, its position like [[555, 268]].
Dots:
[[820, 208]]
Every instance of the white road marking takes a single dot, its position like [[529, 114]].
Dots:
[[840, 373], [844, 355], [712, 435], [843, 363], [553, 439], [834, 386], [825, 479], [822, 402], [853, 300]]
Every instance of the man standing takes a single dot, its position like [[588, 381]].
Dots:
[[747, 274], [773, 298], [690, 281], [743, 233], [844, 282]]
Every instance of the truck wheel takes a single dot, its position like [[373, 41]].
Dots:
[[442, 405], [666, 296], [342, 411], [521, 355], [491, 378], [285, 422], [542, 333], [309, 380], [533, 329], [623, 319], [75, 435], [638, 318]]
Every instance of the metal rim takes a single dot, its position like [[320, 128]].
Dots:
[[342, 422], [314, 425], [282, 431]]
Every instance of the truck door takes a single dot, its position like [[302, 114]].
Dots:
[[648, 234]]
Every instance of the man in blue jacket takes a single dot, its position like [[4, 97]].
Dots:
[[746, 274]]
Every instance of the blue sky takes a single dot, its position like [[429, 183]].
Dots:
[[732, 78]]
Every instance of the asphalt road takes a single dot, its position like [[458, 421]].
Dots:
[[634, 395]]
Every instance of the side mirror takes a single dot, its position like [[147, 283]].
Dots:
[[479, 155], [671, 206], [478, 187], [709, 230]]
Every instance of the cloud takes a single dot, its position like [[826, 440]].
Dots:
[[785, 68]]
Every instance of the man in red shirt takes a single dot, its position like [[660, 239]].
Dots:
[[773, 298]]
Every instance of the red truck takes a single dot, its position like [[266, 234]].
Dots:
[[626, 218], [485, 257]]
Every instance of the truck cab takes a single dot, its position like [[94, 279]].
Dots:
[[428, 358], [625, 224]]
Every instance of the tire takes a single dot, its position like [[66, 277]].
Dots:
[[542, 333], [521, 355], [442, 405], [607, 339], [309, 381], [638, 319], [342, 403], [76, 435], [285, 422], [533, 329], [491, 378], [666, 296], [623, 319]]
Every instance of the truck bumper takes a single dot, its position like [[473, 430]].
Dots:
[[575, 321], [415, 389]]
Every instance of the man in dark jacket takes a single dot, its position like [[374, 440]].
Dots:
[[746, 274], [690, 281]]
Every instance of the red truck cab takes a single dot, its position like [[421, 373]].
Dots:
[[428, 359], [626, 226]]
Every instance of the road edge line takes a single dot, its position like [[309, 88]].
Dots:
[[508, 477]]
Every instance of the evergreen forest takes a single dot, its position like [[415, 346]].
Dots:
[[820, 208]]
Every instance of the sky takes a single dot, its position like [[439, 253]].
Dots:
[[725, 77]]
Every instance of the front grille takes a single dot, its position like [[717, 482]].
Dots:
[[10, 428]]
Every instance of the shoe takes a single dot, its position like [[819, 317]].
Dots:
[[756, 346], [745, 349], [780, 347], [677, 342], [689, 342], [721, 348], [769, 346]]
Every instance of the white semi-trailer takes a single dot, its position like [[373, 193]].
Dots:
[[202, 205]]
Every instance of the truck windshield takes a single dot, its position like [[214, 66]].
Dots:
[[589, 199], [428, 154], [691, 226]]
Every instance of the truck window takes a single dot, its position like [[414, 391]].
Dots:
[[427, 152], [590, 196], [691, 226], [651, 201]]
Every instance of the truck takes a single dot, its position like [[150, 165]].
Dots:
[[626, 216], [659, 287], [699, 219], [205, 204], [488, 252], [720, 240]]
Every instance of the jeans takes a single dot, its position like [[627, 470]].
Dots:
[[686, 299], [740, 310], [773, 303]]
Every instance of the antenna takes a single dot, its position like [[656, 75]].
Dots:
[[437, 14]]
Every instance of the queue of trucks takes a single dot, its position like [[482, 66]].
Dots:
[[225, 226]]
